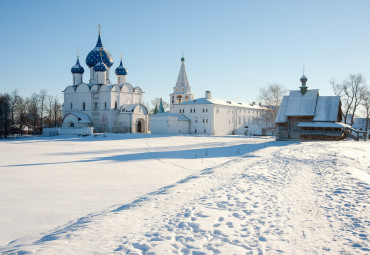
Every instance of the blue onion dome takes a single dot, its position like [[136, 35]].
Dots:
[[77, 68], [100, 67], [303, 79], [120, 70], [94, 56]]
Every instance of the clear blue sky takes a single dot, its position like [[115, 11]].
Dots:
[[232, 48]]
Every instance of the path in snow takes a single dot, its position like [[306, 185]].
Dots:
[[309, 198]]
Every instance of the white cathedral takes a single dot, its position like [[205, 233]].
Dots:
[[207, 115], [100, 104]]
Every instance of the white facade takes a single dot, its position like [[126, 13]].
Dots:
[[209, 116], [105, 107], [220, 117]]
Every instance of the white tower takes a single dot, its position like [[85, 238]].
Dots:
[[182, 91], [101, 71], [121, 73], [77, 72]]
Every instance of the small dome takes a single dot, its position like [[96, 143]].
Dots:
[[303, 79], [94, 56], [77, 68], [120, 70], [100, 67]]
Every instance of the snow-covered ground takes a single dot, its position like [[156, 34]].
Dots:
[[146, 194]]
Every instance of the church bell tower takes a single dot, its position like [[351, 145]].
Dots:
[[182, 91]]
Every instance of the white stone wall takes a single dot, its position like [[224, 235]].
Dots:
[[168, 125], [67, 131]]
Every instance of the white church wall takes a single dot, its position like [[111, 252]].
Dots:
[[125, 123]]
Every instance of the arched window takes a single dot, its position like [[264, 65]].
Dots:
[[195, 131], [115, 105], [72, 124], [179, 99], [84, 106]]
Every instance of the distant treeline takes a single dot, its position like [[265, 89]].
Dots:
[[28, 115]]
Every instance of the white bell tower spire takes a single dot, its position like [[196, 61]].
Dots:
[[182, 91]]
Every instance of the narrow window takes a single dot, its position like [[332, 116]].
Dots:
[[194, 110], [84, 106], [205, 131], [71, 106], [105, 105], [115, 105], [195, 131], [191, 110], [206, 110], [180, 111], [96, 105]]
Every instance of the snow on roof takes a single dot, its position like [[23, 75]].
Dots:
[[322, 108], [204, 100], [323, 124], [302, 105], [327, 108], [81, 117], [280, 116], [168, 114], [128, 107]]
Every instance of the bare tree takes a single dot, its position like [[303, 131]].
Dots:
[[14, 103], [352, 92], [33, 111], [271, 98], [366, 105], [5, 115], [57, 111], [42, 100]]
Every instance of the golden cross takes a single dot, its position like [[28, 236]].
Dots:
[[78, 53], [121, 55], [99, 27]]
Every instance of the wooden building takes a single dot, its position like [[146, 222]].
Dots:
[[304, 115]]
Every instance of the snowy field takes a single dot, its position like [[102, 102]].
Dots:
[[147, 194]]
